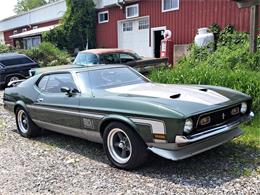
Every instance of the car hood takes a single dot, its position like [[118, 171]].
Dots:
[[185, 99]]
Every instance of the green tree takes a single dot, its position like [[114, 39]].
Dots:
[[26, 5], [77, 28]]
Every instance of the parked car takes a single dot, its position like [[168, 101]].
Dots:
[[14, 66], [94, 57], [117, 106]]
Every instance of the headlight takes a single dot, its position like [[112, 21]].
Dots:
[[243, 108], [188, 126]]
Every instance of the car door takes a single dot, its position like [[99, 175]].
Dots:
[[90, 117], [58, 111]]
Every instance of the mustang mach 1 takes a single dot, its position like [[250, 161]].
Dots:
[[126, 112]]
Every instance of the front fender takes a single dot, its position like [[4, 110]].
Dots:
[[109, 118]]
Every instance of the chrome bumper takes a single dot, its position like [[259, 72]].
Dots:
[[183, 140], [185, 147]]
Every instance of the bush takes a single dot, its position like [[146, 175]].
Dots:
[[48, 55], [6, 48], [245, 81]]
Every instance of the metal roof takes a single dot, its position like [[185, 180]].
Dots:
[[33, 32]]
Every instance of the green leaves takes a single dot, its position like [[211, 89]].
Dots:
[[77, 28], [230, 65], [48, 55], [26, 5]]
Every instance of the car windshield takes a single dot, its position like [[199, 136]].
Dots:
[[110, 78], [86, 59]]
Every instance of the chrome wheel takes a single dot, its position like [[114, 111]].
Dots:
[[119, 145], [14, 78], [22, 121]]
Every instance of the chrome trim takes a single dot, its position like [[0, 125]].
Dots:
[[180, 139], [179, 153], [218, 110]]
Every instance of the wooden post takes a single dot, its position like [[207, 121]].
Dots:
[[253, 27]]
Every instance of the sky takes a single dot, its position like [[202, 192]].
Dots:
[[7, 8]]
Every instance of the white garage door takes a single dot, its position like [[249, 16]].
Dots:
[[134, 35]]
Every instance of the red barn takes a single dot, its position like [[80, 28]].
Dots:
[[139, 24]]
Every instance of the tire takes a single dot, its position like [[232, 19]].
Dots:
[[26, 127], [123, 146]]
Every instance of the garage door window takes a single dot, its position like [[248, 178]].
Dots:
[[170, 5], [128, 26], [143, 24], [132, 11], [103, 17]]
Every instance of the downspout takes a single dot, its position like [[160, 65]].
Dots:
[[119, 5]]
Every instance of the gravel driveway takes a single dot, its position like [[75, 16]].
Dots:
[[58, 164]]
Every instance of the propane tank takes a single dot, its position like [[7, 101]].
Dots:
[[203, 37]]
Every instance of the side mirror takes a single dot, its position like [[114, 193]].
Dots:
[[65, 90], [68, 91]]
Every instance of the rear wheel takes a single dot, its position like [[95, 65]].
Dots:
[[124, 148], [26, 127]]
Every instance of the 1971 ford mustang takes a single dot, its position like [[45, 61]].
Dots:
[[117, 106]]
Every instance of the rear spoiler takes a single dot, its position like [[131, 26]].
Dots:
[[15, 83]]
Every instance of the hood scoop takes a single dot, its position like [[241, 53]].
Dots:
[[175, 96], [205, 90]]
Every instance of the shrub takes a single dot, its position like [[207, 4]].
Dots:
[[242, 80], [48, 55], [230, 65], [6, 48]]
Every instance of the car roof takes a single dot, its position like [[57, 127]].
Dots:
[[7, 56], [86, 68], [107, 50]]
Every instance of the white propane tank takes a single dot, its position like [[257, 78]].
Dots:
[[203, 37]]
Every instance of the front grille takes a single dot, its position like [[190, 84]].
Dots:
[[217, 118]]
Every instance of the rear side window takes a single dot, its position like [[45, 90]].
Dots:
[[43, 82], [16, 61], [124, 58]]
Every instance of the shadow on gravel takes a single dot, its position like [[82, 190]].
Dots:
[[209, 169]]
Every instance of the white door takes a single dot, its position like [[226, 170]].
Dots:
[[134, 35]]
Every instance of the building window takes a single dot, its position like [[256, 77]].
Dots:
[[30, 42], [170, 5], [132, 11], [143, 24], [24, 29], [15, 32], [103, 17], [128, 26]]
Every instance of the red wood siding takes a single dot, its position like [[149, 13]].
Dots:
[[9, 33], [184, 22]]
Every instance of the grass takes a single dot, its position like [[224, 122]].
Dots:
[[251, 135]]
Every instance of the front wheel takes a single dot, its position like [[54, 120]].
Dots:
[[124, 148], [26, 127]]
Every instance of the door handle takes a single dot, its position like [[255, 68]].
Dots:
[[39, 100]]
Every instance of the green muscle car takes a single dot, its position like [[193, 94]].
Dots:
[[117, 106]]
